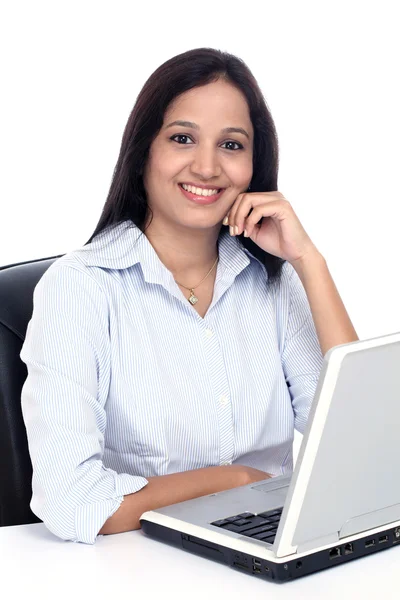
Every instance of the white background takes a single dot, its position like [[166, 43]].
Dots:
[[71, 72]]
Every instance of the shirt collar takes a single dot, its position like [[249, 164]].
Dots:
[[124, 245]]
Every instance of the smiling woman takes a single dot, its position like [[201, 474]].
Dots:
[[162, 362]]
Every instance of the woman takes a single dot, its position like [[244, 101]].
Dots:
[[170, 357]]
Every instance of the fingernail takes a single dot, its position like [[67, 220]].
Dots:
[[245, 234], [225, 221], [231, 230], [236, 230]]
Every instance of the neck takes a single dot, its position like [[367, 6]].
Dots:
[[188, 253]]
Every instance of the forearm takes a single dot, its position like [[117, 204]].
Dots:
[[170, 489], [331, 320]]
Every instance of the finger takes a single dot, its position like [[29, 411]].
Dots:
[[263, 210], [245, 209], [232, 213], [241, 211]]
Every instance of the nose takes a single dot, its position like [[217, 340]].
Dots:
[[205, 164]]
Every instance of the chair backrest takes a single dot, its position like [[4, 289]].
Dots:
[[17, 283]]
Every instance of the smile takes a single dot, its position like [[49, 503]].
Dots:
[[201, 195], [200, 190]]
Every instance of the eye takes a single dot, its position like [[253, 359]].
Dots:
[[237, 144], [182, 135]]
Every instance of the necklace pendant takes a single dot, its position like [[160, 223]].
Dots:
[[192, 299]]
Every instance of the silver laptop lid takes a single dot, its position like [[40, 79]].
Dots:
[[347, 477]]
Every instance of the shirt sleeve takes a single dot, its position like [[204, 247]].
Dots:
[[67, 353], [302, 358]]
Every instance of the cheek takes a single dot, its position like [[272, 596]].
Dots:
[[156, 172], [166, 165], [240, 174]]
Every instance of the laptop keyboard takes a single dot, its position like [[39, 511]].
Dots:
[[260, 527]]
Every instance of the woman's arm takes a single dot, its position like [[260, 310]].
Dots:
[[332, 322], [177, 487], [67, 353]]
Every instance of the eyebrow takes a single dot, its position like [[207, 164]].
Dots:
[[195, 126]]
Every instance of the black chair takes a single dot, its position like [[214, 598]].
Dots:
[[17, 283]]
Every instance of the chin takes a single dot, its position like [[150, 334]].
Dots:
[[201, 225]]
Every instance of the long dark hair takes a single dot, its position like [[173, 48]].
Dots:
[[126, 200]]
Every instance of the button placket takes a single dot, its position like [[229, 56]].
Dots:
[[220, 383]]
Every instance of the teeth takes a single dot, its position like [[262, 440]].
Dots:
[[199, 191]]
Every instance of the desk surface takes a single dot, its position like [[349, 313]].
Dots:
[[37, 565]]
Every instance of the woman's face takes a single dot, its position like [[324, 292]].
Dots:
[[200, 153]]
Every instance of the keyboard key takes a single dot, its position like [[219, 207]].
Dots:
[[220, 523], [275, 519], [232, 519], [265, 522], [255, 530], [264, 537], [254, 522], [271, 513], [269, 539], [246, 515], [243, 527], [240, 522], [231, 527]]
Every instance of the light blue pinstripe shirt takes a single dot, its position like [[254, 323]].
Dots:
[[127, 381]]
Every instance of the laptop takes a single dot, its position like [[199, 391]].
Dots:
[[342, 500]]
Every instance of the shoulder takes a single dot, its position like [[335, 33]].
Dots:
[[71, 286], [70, 266], [93, 262]]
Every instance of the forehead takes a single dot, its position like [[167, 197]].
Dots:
[[210, 103]]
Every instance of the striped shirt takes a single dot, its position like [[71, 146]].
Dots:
[[127, 381]]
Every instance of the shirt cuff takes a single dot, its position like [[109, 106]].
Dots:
[[90, 518]]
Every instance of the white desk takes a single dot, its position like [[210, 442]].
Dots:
[[34, 564]]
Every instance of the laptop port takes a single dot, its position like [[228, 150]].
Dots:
[[369, 543], [241, 566], [383, 539], [348, 549], [396, 535], [299, 564], [334, 553], [257, 562], [256, 570]]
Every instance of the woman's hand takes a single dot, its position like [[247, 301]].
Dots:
[[280, 232], [243, 475]]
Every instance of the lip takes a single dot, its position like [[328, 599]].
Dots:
[[201, 199]]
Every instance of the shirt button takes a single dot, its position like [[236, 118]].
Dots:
[[209, 333], [225, 464], [223, 400]]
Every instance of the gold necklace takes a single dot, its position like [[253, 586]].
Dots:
[[192, 298]]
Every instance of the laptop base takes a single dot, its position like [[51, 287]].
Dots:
[[277, 572]]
